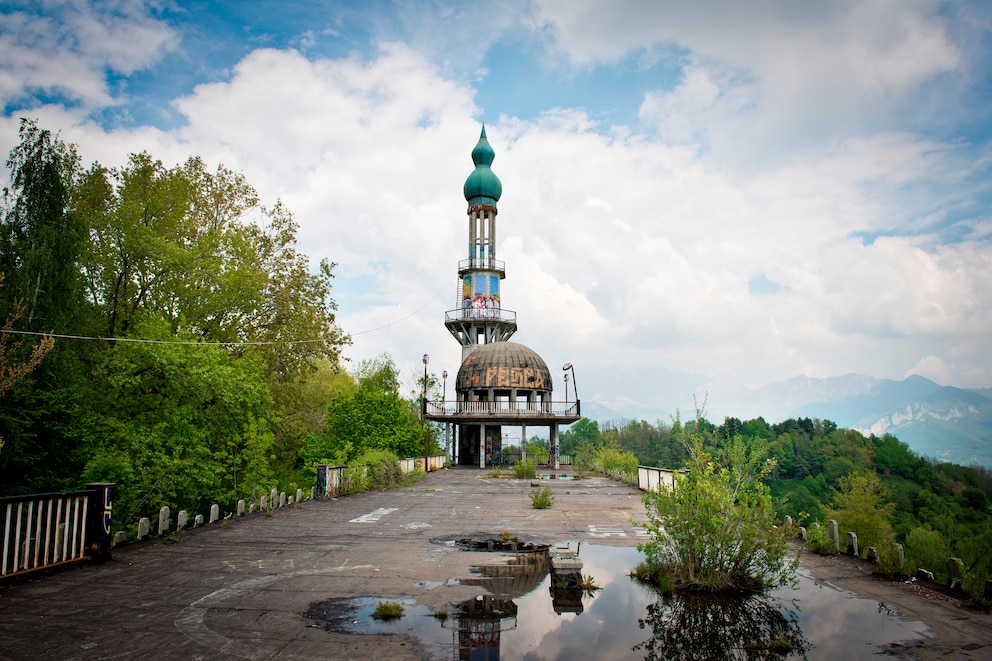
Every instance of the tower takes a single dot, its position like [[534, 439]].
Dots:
[[499, 382], [478, 317]]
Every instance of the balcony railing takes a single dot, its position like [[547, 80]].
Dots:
[[437, 409], [473, 314], [482, 264]]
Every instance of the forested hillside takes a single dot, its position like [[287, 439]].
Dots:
[[195, 351], [875, 486]]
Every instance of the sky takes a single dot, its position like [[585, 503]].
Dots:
[[737, 191]]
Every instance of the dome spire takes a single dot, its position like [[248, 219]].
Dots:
[[482, 186]]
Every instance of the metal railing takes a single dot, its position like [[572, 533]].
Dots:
[[470, 313], [482, 263], [44, 530], [497, 407]]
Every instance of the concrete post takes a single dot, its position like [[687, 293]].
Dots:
[[787, 520], [251, 508], [852, 544], [482, 445], [802, 533], [120, 537], [241, 507], [214, 512], [143, 526], [313, 493], [872, 555], [264, 504], [163, 520], [955, 572], [833, 534], [900, 554], [182, 519], [198, 521], [299, 495], [282, 499], [273, 495]]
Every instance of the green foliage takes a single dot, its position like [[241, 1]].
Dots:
[[171, 255], [525, 469], [371, 415], [716, 529], [861, 508], [542, 499], [925, 548]]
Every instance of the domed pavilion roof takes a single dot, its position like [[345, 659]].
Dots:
[[504, 366], [482, 186]]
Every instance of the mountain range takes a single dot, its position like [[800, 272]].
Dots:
[[941, 422]]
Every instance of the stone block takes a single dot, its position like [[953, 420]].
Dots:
[[273, 496], [955, 573], [214, 512], [251, 508], [872, 555], [163, 520], [241, 507], [802, 533], [282, 499], [143, 527], [299, 495], [852, 544], [198, 521], [833, 533], [182, 520], [120, 537], [264, 505]]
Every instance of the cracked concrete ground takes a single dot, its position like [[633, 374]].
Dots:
[[239, 590]]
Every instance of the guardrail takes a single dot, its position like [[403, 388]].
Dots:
[[482, 263], [489, 407], [471, 313], [330, 479], [651, 479], [45, 530]]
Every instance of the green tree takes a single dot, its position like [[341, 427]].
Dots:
[[861, 507]]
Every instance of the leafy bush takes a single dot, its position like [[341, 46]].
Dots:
[[716, 529], [388, 610], [542, 499], [525, 470]]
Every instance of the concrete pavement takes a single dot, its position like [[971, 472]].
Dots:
[[237, 590]]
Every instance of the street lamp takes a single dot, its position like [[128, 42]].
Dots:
[[568, 367], [423, 399], [423, 414], [444, 396], [565, 376]]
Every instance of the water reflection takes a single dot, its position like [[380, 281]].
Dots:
[[526, 618], [707, 627]]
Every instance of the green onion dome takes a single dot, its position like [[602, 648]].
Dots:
[[482, 186]]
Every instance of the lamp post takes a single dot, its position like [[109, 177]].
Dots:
[[565, 376], [444, 397], [423, 413], [568, 367]]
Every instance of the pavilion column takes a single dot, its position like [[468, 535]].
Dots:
[[482, 445], [553, 445]]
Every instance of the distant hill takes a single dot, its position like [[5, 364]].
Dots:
[[947, 423]]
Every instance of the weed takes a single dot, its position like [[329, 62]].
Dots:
[[440, 615], [507, 537], [542, 499], [525, 470], [587, 583], [388, 610]]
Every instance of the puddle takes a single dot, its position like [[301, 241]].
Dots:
[[523, 615], [553, 476]]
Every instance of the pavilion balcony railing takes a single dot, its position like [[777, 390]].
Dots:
[[469, 313], [501, 408], [481, 263]]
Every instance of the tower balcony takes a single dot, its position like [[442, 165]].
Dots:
[[482, 264], [473, 314], [506, 412]]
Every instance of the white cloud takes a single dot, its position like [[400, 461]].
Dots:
[[68, 49], [625, 249]]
